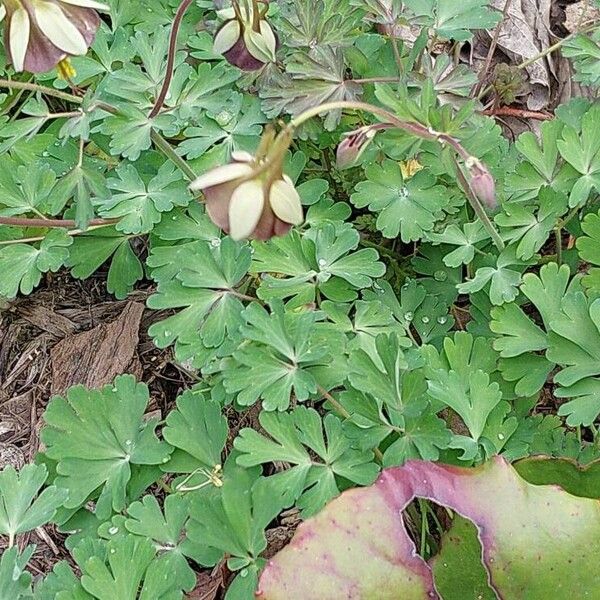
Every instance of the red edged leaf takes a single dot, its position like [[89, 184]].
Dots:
[[357, 547]]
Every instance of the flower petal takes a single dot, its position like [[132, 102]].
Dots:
[[2, 12], [20, 27], [259, 46], [241, 156], [220, 175], [54, 24], [226, 37], [245, 209], [88, 4], [269, 37], [285, 201]]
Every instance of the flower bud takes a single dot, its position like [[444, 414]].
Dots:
[[481, 182], [355, 143], [246, 205], [246, 40], [41, 33]]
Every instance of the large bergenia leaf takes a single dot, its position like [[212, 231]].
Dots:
[[358, 546]]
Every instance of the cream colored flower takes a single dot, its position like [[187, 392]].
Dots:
[[249, 207], [246, 40], [40, 33]]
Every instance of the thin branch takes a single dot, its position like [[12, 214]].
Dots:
[[478, 208], [163, 145], [509, 111], [51, 223], [492, 48], [378, 453], [160, 100], [39, 238], [35, 87], [375, 80]]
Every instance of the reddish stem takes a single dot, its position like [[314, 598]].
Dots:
[[50, 223], [509, 111], [185, 4]]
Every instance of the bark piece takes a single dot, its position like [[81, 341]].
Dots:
[[95, 357]]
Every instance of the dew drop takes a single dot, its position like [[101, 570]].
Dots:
[[223, 117], [45, 153], [168, 333], [215, 243], [113, 530], [425, 319], [408, 316], [440, 275], [244, 573], [442, 320], [500, 436], [322, 262]]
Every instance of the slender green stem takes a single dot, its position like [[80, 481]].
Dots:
[[478, 208], [572, 213], [39, 238], [556, 46], [424, 525], [559, 248], [397, 56], [378, 453], [375, 80], [161, 143], [35, 87], [64, 115], [51, 223], [413, 128]]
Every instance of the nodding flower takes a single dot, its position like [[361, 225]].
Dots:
[[39, 34], [481, 182], [355, 143], [246, 39], [248, 200]]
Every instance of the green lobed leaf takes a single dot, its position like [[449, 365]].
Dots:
[[96, 436]]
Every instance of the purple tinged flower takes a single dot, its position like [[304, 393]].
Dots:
[[41, 33], [355, 143], [482, 182], [246, 40], [249, 207]]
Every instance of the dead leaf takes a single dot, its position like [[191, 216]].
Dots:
[[208, 585], [523, 33], [95, 357]]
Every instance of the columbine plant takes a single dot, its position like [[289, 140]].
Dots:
[[246, 39], [39, 34]]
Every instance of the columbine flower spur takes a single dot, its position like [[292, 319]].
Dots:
[[38, 34]]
